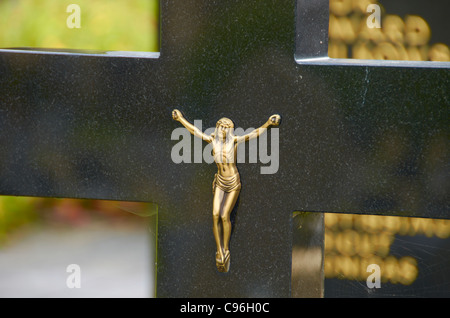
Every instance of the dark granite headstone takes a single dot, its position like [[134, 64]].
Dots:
[[355, 139]]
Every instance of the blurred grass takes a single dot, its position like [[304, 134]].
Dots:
[[14, 213], [106, 25]]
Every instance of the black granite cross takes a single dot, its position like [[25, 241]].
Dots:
[[362, 138]]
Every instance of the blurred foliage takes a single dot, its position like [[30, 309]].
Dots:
[[17, 212], [14, 213], [398, 38], [107, 25]]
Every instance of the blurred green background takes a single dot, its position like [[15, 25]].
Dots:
[[106, 25], [20, 212]]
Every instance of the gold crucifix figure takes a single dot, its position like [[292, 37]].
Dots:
[[227, 182]]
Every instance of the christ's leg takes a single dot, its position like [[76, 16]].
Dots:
[[229, 200], [217, 226]]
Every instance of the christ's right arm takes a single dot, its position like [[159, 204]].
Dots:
[[178, 116]]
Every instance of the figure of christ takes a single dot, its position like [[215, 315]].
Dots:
[[227, 183]]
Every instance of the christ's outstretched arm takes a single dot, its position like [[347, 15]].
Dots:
[[274, 120], [178, 116]]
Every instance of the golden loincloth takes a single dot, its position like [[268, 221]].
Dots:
[[227, 184]]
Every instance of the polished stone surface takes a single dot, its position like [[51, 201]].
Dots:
[[352, 139]]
